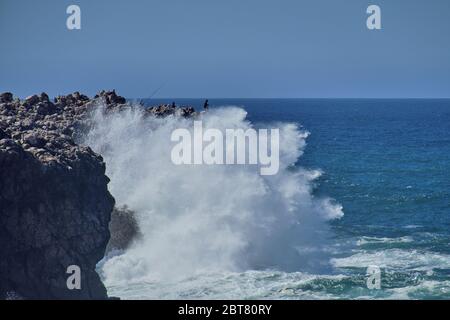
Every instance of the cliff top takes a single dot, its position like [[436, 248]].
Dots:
[[46, 129]]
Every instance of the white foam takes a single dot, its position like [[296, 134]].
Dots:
[[395, 259], [197, 219], [229, 285], [374, 240], [427, 288]]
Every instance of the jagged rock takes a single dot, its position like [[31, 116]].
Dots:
[[55, 208], [162, 110], [34, 140], [3, 134], [168, 110], [44, 108], [124, 229], [51, 216], [111, 97], [32, 100], [6, 97], [44, 97], [187, 112]]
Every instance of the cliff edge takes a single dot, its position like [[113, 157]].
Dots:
[[55, 206]]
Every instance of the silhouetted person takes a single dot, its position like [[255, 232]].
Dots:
[[206, 105], [174, 105]]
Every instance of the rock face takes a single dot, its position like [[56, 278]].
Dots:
[[124, 229], [53, 214], [168, 110], [54, 203], [55, 207]]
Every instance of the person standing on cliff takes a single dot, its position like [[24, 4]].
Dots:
[[206, 105]]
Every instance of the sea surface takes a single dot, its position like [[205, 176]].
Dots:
[[387, 163]]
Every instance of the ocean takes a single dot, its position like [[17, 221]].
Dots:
[[376, 172]]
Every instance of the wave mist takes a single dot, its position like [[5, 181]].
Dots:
[[206, 219]]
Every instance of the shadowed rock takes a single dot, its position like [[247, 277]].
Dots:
[[168, 110], [124, 229], [55, 208], [3, 135], [6, 97]]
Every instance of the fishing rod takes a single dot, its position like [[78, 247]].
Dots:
[[153, 94]]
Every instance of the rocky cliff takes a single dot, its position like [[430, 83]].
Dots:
[[55, 207]]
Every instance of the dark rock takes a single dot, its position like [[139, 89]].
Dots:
[[34, 140], [55, 208], [124, 229], [162, 110], [111, 97], [187, 112], [45, 108], [6, 97], [27, 124], [165, 110], [61, 101], [51, 217], [42, 109], [3, 135], [44, 97], [32, 100]]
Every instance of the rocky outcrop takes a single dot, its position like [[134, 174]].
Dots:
[[55, 208], [124, 229], [54, 203], [168, 110], [54, 213]]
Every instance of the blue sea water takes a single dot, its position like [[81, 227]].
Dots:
[[387, 162]]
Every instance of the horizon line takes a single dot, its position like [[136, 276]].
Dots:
[[298, 98]]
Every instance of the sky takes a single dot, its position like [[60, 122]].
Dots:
[[227, 48]]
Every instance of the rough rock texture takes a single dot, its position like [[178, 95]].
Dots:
[[168, 110], [53, 214], [124, 229], [55, 207]]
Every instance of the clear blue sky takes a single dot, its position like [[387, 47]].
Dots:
[[227, 48]]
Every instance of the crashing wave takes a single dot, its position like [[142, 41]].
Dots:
[[197, 219]]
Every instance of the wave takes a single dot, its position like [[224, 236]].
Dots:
[[383, 240], [270, 284], [395, 259], [246, 285], [197, 219]]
